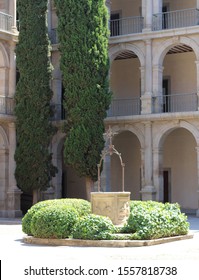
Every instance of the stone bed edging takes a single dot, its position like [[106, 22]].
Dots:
[[103, 243]]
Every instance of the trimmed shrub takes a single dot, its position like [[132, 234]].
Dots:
[[55, 221], [150, 220], [93, 227], [82, 207]]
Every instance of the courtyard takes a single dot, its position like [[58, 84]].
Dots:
[[17, 256]]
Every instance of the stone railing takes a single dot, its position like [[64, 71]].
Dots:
[[176, 19], [125, 26], [186, 102], [5, 21], [7, 105], [124, 107]]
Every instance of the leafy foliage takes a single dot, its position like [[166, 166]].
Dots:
[[150, 220], [82, 207], [83, 36], [93, 227], [147, 220], [34, 167], [54, 221]]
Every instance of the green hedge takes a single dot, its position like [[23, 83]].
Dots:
[[55, 221], [150, 220], [82, 207], [62, 218], [93, 227]]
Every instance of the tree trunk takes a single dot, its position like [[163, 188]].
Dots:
[[89, 187], [36, 196]]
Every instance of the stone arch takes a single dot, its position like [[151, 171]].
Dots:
[[159, 141], [4, 60], [165, 130], [114, 51], [162, 50], [136, 131]]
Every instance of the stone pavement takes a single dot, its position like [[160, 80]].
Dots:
[[16, 256], [11, 238]]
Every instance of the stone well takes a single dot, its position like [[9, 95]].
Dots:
[[114, 205]]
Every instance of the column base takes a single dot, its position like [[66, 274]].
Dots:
[[13, 203], [148, 193], [48, 194], [11, 214]]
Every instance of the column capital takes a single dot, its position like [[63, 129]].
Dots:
[[148, 42], [158, 67], [157, 151]]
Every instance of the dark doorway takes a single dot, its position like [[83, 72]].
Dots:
[[115, 24], [165, 17], [166, 185], [165, 93], [26, 202]]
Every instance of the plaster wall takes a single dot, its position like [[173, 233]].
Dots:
[[4, 6], [181, 69], [179, 5], [126, 7], [125, 78], [128, 145]]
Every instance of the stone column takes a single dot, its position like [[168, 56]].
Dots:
[[157, 6], [197, 75], [3, 80], [13, 193], [57, 99], [157, 88], [142, 75], [13, 13], [12, 71], [148, 191], [108, 5], [3, 180], [197, 151], [147, 97], [157, 14], [157, 173], [197, 4], [147, 11], [142, 168]]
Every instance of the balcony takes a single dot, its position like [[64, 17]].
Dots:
[[125, 26], [124, 107], [176, 19], [175, 103], [5, 22], [118, 27], [7, 105]]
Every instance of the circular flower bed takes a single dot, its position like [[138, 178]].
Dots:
[[63, 218]]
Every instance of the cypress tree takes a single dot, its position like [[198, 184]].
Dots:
[[34, 168], [83, 35]]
